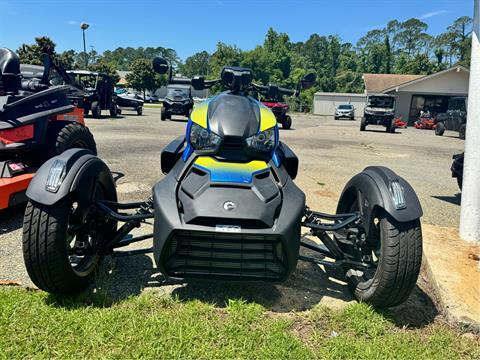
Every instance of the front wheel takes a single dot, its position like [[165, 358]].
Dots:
[[394, 252], [163, 114], [113, 110], [287, 123], [140, 110], [439, 128], [60, 250], [462, 132], [363, 124], [96, 110]]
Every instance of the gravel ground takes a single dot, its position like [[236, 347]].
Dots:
[[330, 153]]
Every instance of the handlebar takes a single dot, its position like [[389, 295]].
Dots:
[[266, 89]]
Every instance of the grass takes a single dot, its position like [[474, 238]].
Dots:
[[34, 324], [152, 105]]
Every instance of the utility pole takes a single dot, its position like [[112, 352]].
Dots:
[[470, 211], [84, 26]]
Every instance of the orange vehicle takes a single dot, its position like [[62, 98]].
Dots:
[[37, 122]]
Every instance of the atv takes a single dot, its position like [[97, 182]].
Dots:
[[99, 92], [178, 101], [273, 99], [37, 122], [227, 209], [380, 110]]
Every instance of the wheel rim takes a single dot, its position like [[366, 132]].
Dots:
[[82, 239], [369, 252]]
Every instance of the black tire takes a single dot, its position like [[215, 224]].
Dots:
[[140, 110], [352, 118], [336, 117], [399, 250], [363, 124], [119, 111], [96, 110], [462, 131], [287, 122], [440, 128], [71, 136], [163, 114], [85, 112], [52, 264], [393, 126], [113, 110]]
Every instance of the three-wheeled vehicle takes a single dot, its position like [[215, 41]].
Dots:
[[99, 92], [37, 122], [227, 209]]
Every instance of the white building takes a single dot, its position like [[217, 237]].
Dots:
[[413, 93]]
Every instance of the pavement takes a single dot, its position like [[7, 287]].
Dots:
[[330, 153]]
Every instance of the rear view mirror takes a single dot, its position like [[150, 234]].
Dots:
[[160, 65], [198, 83], [308, 81]]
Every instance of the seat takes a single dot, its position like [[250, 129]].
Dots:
[[10, 75]]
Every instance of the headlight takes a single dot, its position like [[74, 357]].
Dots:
[[56, 175], [203, 139], [262, 142]]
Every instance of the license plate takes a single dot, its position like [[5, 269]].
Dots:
[[16, 166], [228, 228]]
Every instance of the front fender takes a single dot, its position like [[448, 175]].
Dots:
[[83, 172], [373, 189]]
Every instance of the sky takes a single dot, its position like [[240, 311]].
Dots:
[[189, 26]]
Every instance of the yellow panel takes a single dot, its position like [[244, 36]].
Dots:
[[199, 114], [267, 119], [230, 172]]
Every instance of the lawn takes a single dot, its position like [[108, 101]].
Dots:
[[34, 324]]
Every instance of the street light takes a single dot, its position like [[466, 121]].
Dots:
[[84, 26]]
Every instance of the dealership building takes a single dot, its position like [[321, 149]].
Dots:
[[413, 93]]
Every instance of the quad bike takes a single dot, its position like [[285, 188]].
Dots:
[[273, 100], [457, 168], [426, 121], [37, 122], [227, 209], [179, 101]]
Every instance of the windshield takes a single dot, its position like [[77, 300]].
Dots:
[[345, 107], [176, 92], [381, 101]]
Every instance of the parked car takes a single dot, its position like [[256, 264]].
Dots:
[[380, 110], [345, 111], [455, 118]]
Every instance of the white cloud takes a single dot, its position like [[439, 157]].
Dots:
[[72, 22], [432, 14]]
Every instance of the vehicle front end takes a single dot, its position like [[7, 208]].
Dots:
[[235, 212]]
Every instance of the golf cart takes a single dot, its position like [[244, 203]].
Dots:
[[227, 209], [380, 110], [178, 101], [37, 122], [99, 94]]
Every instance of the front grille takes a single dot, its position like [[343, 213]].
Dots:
[[220, 255], [230, 143]]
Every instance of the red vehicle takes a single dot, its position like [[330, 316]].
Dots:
[[426, 121], [400, 124], [37, 122], [280, 111]]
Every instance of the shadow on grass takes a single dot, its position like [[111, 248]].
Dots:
[[307, 286]]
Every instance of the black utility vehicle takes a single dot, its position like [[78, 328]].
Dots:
[[454, 119], [178, 101], [99, 92], [379, 110], [227, 209]]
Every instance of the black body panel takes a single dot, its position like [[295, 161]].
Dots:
[[233, 115], [268, 213], [372, 186]]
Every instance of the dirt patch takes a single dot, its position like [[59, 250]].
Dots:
[[455, 273], [132, 187], [325, 193]]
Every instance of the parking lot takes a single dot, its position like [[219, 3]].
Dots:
[[330, 153]]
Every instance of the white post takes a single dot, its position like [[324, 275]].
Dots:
[[470, 212]]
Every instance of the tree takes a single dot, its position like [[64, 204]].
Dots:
[[32, 54], [106, 68], [197, 64], [411, 36], [143, 77], [460, 32]]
